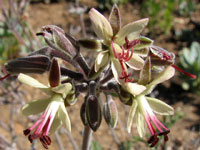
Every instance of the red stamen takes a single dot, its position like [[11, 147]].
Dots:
[[26, 132], [154, 142], [4, 77], [184, 72], [124, 57], [130, 55], [115, 53]]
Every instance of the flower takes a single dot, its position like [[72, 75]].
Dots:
[[118, 44], [144, 107], [54, 109]]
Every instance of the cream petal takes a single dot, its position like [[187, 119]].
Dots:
[[63, 88], [35, 107], [163, 76], [131, 30], [30, 81], [64, 117], [55, 125], [136, 62], [100, 25], [140, 124], [160, 107], [131, 115], [134, 88], [117, 70], [101, 60]]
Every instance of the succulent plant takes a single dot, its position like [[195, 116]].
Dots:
[[190, 61]]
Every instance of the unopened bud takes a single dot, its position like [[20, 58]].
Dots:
[[29, 64], [83, 114], [93, 112], [91, 44], [54, 73], [110, 112], [57, 38]]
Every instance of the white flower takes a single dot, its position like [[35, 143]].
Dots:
[[144, 107], [119, 42], [53, 107]]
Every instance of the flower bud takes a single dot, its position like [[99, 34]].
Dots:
[[93, 112], [91, 44], [110, 112], [83, 114], [54, 73], [57, 38], [29, 64]]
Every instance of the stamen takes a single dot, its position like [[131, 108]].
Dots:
[[150, 127], [40, 34], [115, 53], [184, 72], [4, 77], [154, 142], [130, 55], [124, 74], [30, 138], [26, 132], [165, 138], [152, 138], [164, 132]]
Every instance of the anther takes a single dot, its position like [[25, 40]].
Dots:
[[154, 142], [40, 34], [30, 138], [165, 138], [4, 77], [164, 132], [26, 132], [152, 138]]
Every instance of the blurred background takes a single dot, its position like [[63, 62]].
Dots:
[[174, 25]]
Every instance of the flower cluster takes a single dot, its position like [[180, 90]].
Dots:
[[127, 64]]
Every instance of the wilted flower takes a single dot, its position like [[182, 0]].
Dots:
[[54, 109]]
